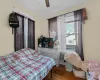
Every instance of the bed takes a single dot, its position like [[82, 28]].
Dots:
[[93, 70], [25, 64]]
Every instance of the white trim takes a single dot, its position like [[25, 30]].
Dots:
[[22, 13], [26, 32]]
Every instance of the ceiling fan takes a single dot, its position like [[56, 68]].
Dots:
[[47, 3]]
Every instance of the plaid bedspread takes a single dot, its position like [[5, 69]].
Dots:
[[25, 64]]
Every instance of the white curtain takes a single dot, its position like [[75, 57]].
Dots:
[[61, 26], [26, 32], [61, 33]]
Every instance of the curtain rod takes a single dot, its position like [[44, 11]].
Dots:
[[65, 13]]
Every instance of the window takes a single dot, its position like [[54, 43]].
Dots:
[[69, 28], [70, 32]]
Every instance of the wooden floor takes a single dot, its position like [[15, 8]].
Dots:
[[60, 73]]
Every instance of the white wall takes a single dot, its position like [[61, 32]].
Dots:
[[91, 29], [6, 37], [41, 29]]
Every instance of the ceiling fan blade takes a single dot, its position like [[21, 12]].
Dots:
[[47, 3]]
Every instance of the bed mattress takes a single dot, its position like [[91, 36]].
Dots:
[[25, 65]]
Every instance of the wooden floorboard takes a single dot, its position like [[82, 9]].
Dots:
[[60, 73]]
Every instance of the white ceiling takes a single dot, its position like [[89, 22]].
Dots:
[[39, 6]]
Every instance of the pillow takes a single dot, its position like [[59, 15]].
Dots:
[[95, 75], [2, 63], [84, 66], [10, 59], [74, 59], [26, 51], [16, 57]]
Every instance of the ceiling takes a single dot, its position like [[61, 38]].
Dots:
[[39, 6]]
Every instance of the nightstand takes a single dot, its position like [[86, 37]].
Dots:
[[51, 52]]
